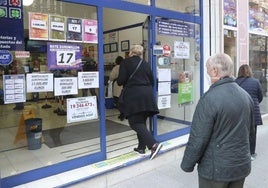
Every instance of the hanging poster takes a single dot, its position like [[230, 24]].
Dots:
[[65, 86], [11, 21], [14, 88], [90, 31], [57, 28], [88, 80], [164, 101], [258, 22], [230, 13], [38, 26], [181, 50], [81, 109], [37, 82], [74, 30], [185, 87], [64, 56]]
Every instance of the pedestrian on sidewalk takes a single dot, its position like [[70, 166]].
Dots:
[[222, 127], [139, 101], [253, 87]]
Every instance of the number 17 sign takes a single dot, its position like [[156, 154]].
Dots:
[[64, 56]]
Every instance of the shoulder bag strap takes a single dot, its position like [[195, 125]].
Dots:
[[135, 70], [242, 81]]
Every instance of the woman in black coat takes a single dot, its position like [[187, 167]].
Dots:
[[139, 99], [253, 87]]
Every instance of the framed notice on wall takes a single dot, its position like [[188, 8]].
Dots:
[[125, 45], [113, 47]]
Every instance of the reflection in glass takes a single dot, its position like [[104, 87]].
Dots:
[[183, 62], [189, 6], [258, 62], [230, 46]]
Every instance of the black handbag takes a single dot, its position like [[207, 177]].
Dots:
[[121, 104]]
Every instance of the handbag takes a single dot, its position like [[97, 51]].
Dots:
[[121, 103]]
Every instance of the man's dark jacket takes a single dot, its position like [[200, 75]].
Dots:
[[219, 137]]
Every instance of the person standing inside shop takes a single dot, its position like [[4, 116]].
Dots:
[[139, 98], [222, 127], [116, 88], [253, 87]]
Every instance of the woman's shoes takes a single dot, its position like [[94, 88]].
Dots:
[[155, 149], [121, 117], [139, 151]]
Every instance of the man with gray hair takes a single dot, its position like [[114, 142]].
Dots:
[[221, 130]]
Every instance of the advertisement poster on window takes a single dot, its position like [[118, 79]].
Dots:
[[230, 13], [90, 31], [39, 82], [38, 26], [181, 50], [74, 30], [64, 56], [11, 21], [14, 88], [65, 86], [258, 23], [81, 109], [88, 79], [57, 28], [185, 87]]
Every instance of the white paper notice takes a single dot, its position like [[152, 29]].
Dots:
[[65, 86], [164, 88], [88, 80], [164, 75], [39, 82], [164, 101], [181, 50], [81, 109]]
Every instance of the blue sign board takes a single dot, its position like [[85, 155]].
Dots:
[[5, 57], [11, 21]]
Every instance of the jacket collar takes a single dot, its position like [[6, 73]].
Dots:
[[223, 80]]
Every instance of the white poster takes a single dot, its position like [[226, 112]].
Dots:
[[181, 50], [65, 86], [164, 75], [164, 101], [88, 80], [81, 109], [39, 82], [14, 88], [164, 88]]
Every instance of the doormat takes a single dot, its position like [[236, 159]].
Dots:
[[77, 133]]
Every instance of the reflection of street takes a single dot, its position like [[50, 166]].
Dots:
[[264, 105]]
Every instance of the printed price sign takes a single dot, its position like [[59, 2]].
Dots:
[[81, 109], [65, 57]]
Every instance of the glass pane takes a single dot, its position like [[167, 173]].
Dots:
[[143, 2], [57, 138], [189, 6], [183, 63], [258, 60], [230, 46]]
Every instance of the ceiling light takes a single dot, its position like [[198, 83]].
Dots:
[[27, 2]]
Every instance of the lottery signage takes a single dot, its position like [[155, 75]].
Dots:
[[64, 56], [81, 109], [11, 21]]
